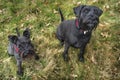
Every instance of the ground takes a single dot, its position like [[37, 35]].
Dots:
[[102, 58]]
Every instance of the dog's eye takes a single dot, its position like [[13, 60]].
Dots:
[[29, 42], [86, 10], [95, 11], [20, 46]]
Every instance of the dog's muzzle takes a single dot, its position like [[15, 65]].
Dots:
[[27, 53], [23, 53], [91, 22]]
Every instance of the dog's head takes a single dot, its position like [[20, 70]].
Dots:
[[88, 16], [22, 44]]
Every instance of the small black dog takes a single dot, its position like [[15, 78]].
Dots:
[[21, 47], [77, 33]]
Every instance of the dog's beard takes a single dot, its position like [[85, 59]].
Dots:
[[25, 52], [90, 23]]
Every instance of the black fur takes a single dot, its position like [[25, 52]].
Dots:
[[21, 47], [78, 36]]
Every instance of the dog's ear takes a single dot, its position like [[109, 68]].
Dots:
[[26, 33], [13, 38], [77, 10], [99, 11]]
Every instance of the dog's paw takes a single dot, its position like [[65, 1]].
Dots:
[[62, 43], [66, 57], [81, 59], [36, 57], [20, 73]]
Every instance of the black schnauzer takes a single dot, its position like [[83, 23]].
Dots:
[[21, 47], [77, 33]]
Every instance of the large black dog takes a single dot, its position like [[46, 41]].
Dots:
[[77, 33], [21, 47]]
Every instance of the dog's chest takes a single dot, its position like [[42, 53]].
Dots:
[[79, 40]]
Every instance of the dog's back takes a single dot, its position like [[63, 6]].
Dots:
[[65, 28]]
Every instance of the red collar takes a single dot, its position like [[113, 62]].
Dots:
[[18, 51], [16, 48], [77, 23], [78, 27]]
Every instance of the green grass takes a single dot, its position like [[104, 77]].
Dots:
[[102, 58]]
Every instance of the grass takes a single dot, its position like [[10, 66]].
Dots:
[[102, 58]]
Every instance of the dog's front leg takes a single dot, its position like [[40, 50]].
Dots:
[[35, 55], [65, 53], [19, 65], [81, 55]]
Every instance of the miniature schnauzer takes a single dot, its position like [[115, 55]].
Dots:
[[21, 47]]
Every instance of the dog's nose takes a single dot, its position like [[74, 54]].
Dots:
[[92, 15]]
